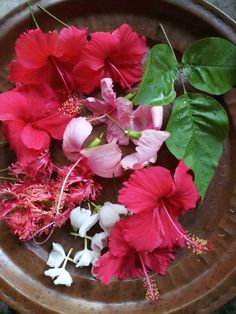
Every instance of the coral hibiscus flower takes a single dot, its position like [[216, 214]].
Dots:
[[122, 261], [47, 57], [157, 199], [117, 55], [31, 116]]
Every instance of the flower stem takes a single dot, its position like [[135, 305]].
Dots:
[[78, 235], [32, 14], [5, 169], [85, 244], [53, 16], [64, 183], [3, 142], [67, 258]]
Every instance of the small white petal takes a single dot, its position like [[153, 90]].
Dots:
[[99, 242], [78, 216], [57, 256], [64, 279], [89, 223], [53, 272], [83, 258], [109, 215]]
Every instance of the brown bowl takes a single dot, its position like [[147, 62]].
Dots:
[[193, 284]]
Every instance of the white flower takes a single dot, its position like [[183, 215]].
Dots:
[[83, 220], [57, 256], [63, 277], [109, 215], [99, 242], [85, 257]]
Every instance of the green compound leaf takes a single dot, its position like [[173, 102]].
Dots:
[[198, 126], [156, 87], [210, 65]]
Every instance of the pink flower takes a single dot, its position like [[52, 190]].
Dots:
[[117, 55], [120, 109], [123, 261], [147, 117], [31, 116], [157, 199], [146, 150], [103, 160], [47, 57]]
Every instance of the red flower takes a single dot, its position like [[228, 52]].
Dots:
[[117, 55], [47, 57], [31, 116], [122, 261], [157, 199], [30, 205]]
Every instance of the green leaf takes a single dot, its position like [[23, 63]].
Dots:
[[156, 87], [210, 65], [198, 126]]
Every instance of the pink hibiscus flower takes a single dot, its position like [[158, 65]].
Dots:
[[47, 57], [120, 109], [117, 55], [103, 160], [31, 116], [122, 261], [157, 199]]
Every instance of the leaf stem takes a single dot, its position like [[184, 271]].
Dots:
[[32, 14], [53, 16], [167, 39]]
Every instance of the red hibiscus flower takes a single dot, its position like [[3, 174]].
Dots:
[[31, 116], [157, 199], [116, 55], [47, 57], [122, 261]]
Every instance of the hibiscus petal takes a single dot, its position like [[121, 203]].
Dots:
[[13, 106], [184, 195], [144, 231], [57, 256], [117, 245], [104, 160], [145, 188], [158, 260], [75, 134], [72, 41], [35, 139], [107, 92], [157, 116]]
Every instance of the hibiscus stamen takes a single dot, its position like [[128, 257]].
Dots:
[[196, 244], [71, 106], [152, 293], [61, 75], [120, 75]]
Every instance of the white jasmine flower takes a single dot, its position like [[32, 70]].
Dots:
[[57, 255], [109, 214], [63, 277], [85, 257], [61, 274], [99, 242], [83, 220]]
